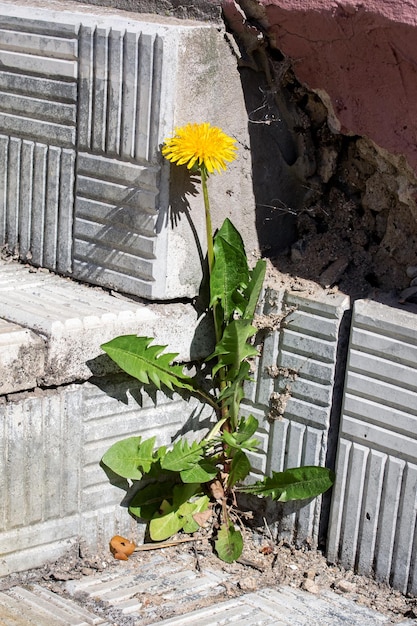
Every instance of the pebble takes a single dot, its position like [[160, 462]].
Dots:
[[345, 586], [87, 571], [412, 271], [333, 273], [408, 294], [310, 586], [248, 584], [310, 574]]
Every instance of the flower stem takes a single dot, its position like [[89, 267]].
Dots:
[[209, 229], [224, 413]]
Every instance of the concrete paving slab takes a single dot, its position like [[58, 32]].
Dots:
[[281, 607], [374, 504], [176, 587], [159, 585], [88, 95], [40, 607], [74, 320]]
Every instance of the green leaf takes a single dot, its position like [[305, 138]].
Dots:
[[298, 483], [233, 348], [201, 472], [165, 523], [239, 468], [246, 428], [253, 290], [230, 440], [131, 457], [241, 437], [229, 543], [146, 363], [179, 516], [146, 502], [188, 509], [183, 456], [182, 493], [230, 270]]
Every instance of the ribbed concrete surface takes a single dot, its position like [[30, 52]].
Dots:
[[168, 588], [374, 508], [40, 607], [296, 370], [69, 322]]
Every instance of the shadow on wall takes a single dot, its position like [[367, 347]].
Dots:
[[277, 183]]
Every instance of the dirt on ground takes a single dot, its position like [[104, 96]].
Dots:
[[264, 563], [356, 224]]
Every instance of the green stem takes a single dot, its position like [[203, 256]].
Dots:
[[209, 229], [225, 418]]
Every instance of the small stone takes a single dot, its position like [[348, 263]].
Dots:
[[248, 584], [310, 574], [411, 271], [345, 586], [297, 251], [293, 567], [310, 586], [333, 273], [408, 294], [87, 571]]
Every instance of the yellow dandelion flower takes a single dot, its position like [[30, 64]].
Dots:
[[202, 145]]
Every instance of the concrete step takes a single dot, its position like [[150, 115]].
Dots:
[[51, 328]]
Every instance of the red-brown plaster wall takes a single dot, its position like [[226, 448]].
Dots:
[[362, 54]]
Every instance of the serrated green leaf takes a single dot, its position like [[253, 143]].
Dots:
[[230, 272], [130, 457], [233, 348], [229, 543], [297, 483], [201, 472], [138, 358], [253, 290], [183, 456], [239, 468]]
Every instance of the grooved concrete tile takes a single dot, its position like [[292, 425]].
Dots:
[[51, 443], [142, 592], [283, 607], [292, 395], [75, 320], [115, 221], [374, 509], [37, 201], [40, 607], [86, 100]]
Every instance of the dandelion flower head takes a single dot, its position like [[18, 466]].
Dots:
[[202, 145]]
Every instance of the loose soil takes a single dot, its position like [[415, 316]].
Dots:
[[263, 564]]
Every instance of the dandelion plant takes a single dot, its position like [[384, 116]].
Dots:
[[180, 487]]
